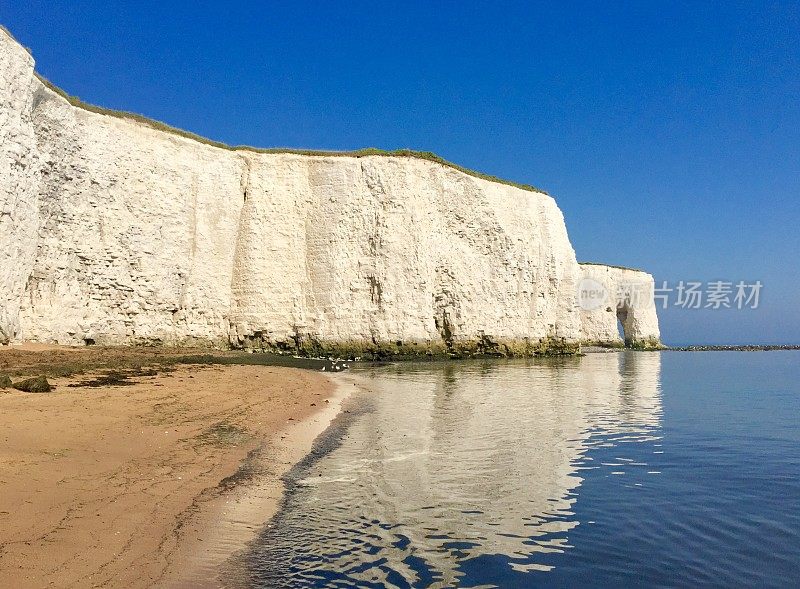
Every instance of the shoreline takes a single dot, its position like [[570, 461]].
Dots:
[[154, 477], [234, 518]]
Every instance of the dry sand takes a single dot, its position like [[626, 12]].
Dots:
[[154, 483]]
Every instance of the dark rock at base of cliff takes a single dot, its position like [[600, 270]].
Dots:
[[483, 346], [5, 381]]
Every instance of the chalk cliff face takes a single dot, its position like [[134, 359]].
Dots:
[[625, 296], [115, 232], [19, 181]]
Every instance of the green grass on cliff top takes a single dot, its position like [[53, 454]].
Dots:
[[423, 155], [610, 266]]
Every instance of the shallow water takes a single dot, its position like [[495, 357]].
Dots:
[[656, 469]]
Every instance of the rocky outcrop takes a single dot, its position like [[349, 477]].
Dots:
[[610, 295], [117, 232]]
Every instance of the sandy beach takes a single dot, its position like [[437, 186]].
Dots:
[[148, 476]]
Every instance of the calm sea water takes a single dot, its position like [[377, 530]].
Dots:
[[622, 469]]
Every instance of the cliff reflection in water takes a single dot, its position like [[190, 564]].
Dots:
[[457, 461]]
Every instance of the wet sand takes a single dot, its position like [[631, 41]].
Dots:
[[152, 482]]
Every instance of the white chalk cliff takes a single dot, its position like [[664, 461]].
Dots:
[[113, 231], [627, 298]]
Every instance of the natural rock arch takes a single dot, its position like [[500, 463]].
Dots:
[[630, 304]]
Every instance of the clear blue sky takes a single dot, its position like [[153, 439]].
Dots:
[[669, 133]]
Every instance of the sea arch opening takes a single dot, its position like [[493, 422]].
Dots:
[[625, 317]]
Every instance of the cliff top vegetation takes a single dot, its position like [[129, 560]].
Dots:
[[368, 151]]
